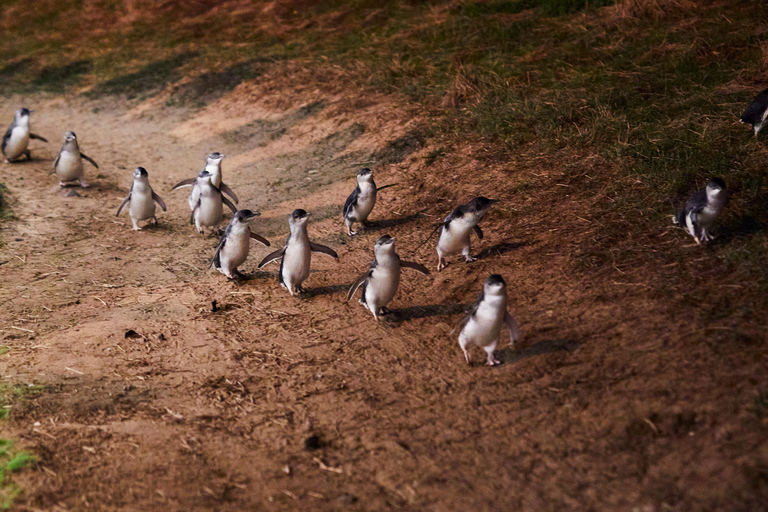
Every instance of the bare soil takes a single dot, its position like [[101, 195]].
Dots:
[[167, 386]]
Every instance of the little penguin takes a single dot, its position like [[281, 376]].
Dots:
[[213, 166], [141, 200], [209, 210], [756, 112], [482, 325], [235, 244], [455, 230], [69, 162], [16, 138], [380, 282], [362, 200], [296, 255], [702, 209]]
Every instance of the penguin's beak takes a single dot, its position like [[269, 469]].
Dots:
[[253, 215]]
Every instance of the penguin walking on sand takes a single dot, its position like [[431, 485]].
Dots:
[[209, 210], [702, 210], [454, 231], [296, 255], [380, 282], [756, 112], [69, 162], [213, 166], [16, 138], [141, 200], [361, 201], [235, 244], [482, 325]]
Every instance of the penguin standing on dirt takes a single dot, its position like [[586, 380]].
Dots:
[[235, 244], [209, 210], [361, 201], [455, 230], [756, 112], [295, 257], [141, 200], [482, 325], [213, 166], [702, 210], [380, 282], [69, 162], [16, 138]]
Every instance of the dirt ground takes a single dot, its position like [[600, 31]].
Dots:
[[167, 386]]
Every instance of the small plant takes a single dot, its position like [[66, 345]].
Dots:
[[10, 461]]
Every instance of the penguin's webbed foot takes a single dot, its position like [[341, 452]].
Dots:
[[351, 233], [84, 184], [469, 259], [153, 220], [492, 362], [441, 263], [467, 357], [385, 311]]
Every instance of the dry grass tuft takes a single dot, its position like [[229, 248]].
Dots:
[[652, 9], [465, 89]]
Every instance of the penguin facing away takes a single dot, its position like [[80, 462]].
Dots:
[[234, 246], [756, 112], [482, 326], [141, 200], [295, 257], [361, 201], [702, 210], [69, 162], [17, 137], [381, 281]]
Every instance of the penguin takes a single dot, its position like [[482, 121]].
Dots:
[[380, 282], [69, 162], [234, 246], [482, 325], [142, 200], [208, 212], [296, 255], [16, 138], [455, 229], [702, 209], [213, 166], [362, 200], [756, 112]]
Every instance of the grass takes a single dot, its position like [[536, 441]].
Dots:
[[12, 460]]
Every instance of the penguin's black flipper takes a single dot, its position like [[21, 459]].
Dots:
[[159, 201], [229, 203], [478, 232], [7, 137], [321, 248], [461, 323], [192, 216], [216, 260], [125, 201], [272, 257], [386, 186], [415, 266], [229, 192], [89, 159], [184, 183], [350, 202], [260, 239], [38, 137], [358, 282], [514, 329]]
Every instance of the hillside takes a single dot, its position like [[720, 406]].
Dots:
[[140, 380]]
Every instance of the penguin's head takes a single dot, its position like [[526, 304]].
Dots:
[[385, 243], [479, 206], [70, 136], [364, 175], [204, 176], [245, 216], [495, 285], [715, 185], [298, 217], [140, 173], [215, 157], [22, 113]]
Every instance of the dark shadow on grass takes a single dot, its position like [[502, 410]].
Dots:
[[499, 249], [509, 355], [151, 78], [378, 225], [402, 314], [59, 78], [746, 225]]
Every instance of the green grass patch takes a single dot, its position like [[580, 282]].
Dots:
[[11, 460]]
